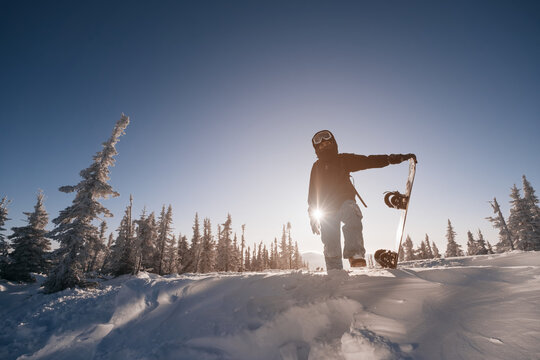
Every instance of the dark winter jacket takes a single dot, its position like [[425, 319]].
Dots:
[[330, 184]]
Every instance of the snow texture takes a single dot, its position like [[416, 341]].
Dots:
[[478, 307]]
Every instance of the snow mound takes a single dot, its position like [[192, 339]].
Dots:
[[296, 328], [482, 307]]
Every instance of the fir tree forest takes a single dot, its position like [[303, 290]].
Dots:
[[146, 242]]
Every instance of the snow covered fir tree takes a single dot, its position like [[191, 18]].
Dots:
[[533, 214], [30, 246], [522, 229], [75, 229], [4, 245], [523, 222], [505, 237]]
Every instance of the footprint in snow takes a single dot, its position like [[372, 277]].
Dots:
[[495, 341], [365, 344]]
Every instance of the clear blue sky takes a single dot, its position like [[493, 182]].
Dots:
[[224, 97]]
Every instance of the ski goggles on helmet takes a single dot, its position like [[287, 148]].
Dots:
[[320, 136]]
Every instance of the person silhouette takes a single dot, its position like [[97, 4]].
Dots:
[[332, 195]]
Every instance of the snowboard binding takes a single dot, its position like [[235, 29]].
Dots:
[[386, 258], [396, 200]]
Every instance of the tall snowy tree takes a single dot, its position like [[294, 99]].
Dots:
[[163, 238], [421, 252], [98, 248], [219, 265], [297, 258], [137, 243], [171, 256], [531, 201], [107, 258], [74, 226], [275, 260], [145, 248], [290, 248], [429, 250], [183, 253], [242, 248], [505, 236], [224, 246], [436, 253], [247, 261], [408, 251], [196, 247], [471, 244], [490, 248], [30, 245], [520, 222], [453, 249], [235, 255], [481, 248], [122, 252], [4, 246], [284, 250], [254, 258], [207, 259], [266, 258]]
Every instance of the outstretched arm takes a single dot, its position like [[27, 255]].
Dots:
[[355, 162]]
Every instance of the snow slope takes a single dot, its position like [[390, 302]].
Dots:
[[483, 307]]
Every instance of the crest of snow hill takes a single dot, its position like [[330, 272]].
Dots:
[[147, 243]]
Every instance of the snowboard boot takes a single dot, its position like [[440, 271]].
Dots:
[[357, 261], [333, 263]]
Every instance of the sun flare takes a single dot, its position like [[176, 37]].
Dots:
[[318, 214]]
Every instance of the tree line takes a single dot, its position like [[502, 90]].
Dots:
[[143, 244], [148, 244], [520, 231]]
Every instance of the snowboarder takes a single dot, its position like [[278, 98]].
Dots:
[[331, 199]]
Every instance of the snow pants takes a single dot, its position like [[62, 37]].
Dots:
[[349, 213]]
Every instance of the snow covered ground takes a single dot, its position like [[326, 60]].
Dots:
[[483, 307]]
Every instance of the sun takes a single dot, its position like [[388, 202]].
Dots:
[[318, 214]]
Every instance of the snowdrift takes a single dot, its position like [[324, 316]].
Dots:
[[483, 307]]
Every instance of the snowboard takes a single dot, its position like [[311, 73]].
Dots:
[[396, 200]]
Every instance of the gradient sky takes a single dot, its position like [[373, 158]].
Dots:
[[224, 97]]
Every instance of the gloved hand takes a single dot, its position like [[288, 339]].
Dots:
[[411, 156], [315, 224], [399, 158]]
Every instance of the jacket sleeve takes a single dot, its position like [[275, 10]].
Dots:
[[353, 162], [312, 196]]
